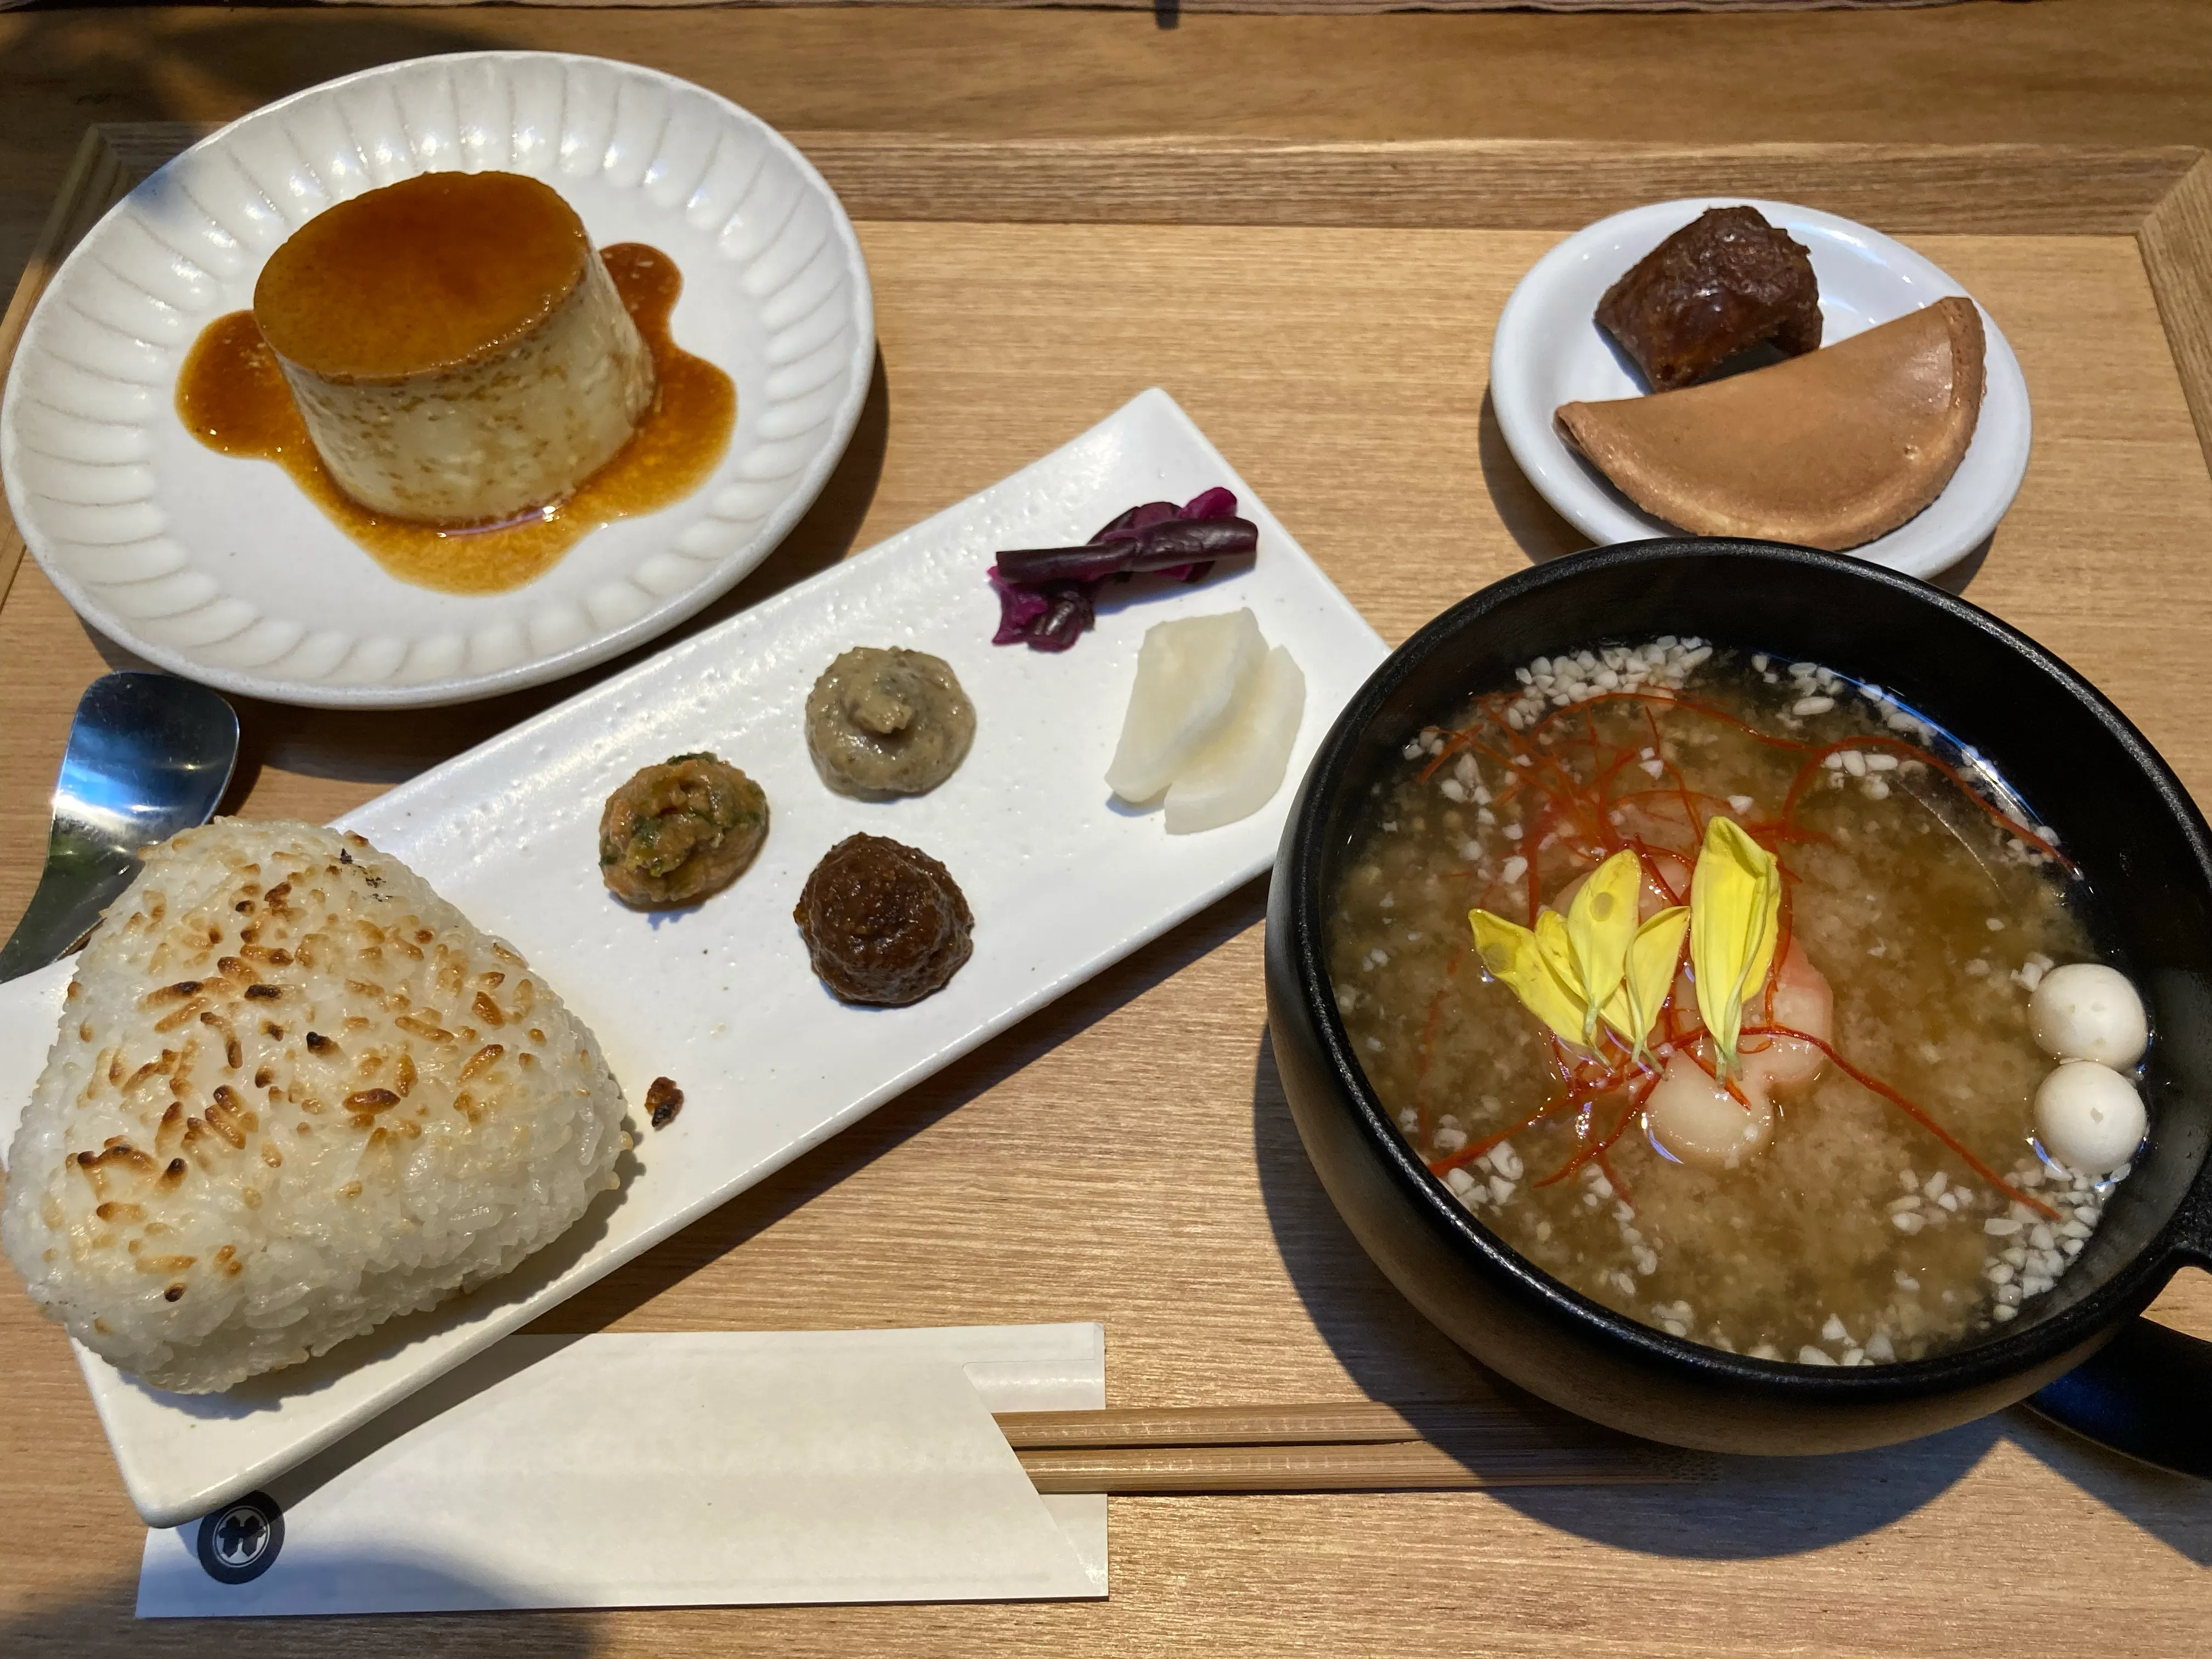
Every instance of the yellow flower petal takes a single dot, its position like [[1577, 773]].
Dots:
[[1652, 959], [1557, 952], [1514, 956], [1601, 926], [1735, 907]]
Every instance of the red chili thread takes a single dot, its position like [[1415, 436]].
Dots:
[[1866, 1081], [1579, 1088]]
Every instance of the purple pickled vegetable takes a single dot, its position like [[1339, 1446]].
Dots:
[[1138, 519], [1070, 616], [1047, 596], [1050, 617], [1019, 607], [1165, 546]]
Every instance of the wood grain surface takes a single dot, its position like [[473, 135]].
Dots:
[[2176, 239], [1125, 1155], [1502, 184], [2104, 72], [1494, 184], [1272, 5]]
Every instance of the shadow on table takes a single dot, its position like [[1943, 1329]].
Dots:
[[755, 1211], [388, 746], [103, 1621], [130, 75], [1757, 1506], [1955, 579], [1527, 517], [2175, 1508], [1769, 1506], [1543, 535]]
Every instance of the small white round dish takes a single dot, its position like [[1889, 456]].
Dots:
[[1549, 350], [219, 569]]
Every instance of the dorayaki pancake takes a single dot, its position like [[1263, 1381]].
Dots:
[[1828, 450]]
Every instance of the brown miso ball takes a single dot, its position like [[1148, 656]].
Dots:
[[885, 923], [679, 831]]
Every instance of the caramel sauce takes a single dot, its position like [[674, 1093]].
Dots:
[[232, 397]]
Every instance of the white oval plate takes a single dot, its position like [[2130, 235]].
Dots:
[[219, 569], [1549, 350]]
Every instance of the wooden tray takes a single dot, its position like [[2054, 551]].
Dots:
[[1324, 312]]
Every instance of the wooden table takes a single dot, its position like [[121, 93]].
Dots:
[[2081, 71], [1125, 1154]]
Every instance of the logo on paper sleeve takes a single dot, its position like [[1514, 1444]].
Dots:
[[239, 1542]]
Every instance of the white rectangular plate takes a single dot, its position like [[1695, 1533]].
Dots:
[[1062, 881]]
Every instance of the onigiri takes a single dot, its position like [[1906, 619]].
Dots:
[[294, 1094]]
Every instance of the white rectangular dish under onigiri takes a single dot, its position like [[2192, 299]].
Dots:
[[1063, 880]]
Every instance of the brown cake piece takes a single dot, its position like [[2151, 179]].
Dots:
[[1726, 281]]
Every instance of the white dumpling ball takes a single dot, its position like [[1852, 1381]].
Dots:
[[2091, 1118], [2086, 1011]]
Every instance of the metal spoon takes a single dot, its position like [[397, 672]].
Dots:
[[148, 755]]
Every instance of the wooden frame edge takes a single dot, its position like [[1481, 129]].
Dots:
[[2176, 244], [95, 178], [1497, 184]]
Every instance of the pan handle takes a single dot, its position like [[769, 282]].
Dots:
[[2146, 1392]]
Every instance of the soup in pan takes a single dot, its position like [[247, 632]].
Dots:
[[1729, 991]]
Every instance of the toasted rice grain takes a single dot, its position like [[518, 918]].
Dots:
[[279, 1111]]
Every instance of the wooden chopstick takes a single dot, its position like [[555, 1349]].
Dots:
[[1403, 1466], [1350, 1446], [1357, 1421]]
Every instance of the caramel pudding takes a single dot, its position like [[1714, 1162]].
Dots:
[[1828, 450], [457, 350], [233, 397]]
